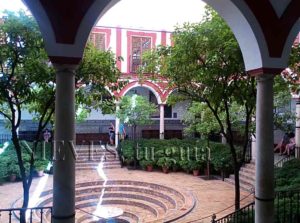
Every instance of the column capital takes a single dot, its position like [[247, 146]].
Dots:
[[264, 71], [65, 68], [265, 77]]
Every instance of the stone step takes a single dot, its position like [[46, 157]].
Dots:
[[247, 170], [142, 201], [134, 208], [243, 180], [157, 207], [126, 217], [96, 153], [246, 187], [96, 159], [105, 162], [94, 168], [86, 165], [250, 165], [247, 176]]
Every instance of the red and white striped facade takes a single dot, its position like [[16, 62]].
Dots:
[[120, 41]]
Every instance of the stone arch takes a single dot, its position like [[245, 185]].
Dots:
[[167, 93], [65, 25], [291, 39], [146, 84]]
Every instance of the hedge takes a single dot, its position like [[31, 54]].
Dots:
[[9, 162], [185, 154]]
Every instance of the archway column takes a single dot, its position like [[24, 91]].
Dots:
[[297, 132], [161, 121], [64, 146], [264, 183], [117, 127]]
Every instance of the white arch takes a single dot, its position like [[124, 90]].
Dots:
[[158, 98], [242, 30], [290, 40], [248, 34], [95, 12]]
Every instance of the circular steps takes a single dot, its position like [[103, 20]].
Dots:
[[140, 201]]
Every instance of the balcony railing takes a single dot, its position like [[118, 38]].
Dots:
[[135, 63], [33, 215]]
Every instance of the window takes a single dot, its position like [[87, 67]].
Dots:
[[98, 40], [168, 111], [139, 46]]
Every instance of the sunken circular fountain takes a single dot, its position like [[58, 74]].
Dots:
[[139, 201]]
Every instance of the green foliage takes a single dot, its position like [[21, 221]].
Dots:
[[200, 119], [23, 61], [166, 162], [186, 154], [221, 158], [144, 163], [287, 181], [197, 165], [206, 66], [135, 110], [284, 118], [288, 177], [9, 162], [41, 165], [97, 76]]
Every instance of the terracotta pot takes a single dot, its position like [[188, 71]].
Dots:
[[149, 168], [12, 177], [165, 169], [196, 172]]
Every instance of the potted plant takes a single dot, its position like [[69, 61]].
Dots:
[[195, 166], [147, 164], [12, 171], [185, 165], [40, 166], [165, 163]]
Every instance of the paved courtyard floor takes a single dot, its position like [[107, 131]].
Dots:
[[211, 196]]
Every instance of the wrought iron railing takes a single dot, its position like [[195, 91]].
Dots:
[[287, 210], [280, 162], [243, 215], [32, 215], [135, 63], [287, 206]]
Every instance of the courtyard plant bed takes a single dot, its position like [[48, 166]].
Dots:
[[288, 176], [9, 168], [189, 155]]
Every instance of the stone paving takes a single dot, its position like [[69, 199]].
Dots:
[[211, 196]]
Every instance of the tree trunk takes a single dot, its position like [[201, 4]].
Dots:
[[22, 172], [135, 146], [237, 186], [26, 188]]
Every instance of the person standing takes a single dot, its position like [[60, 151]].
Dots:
[[122, 132], [111, 133], [47, 135]]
